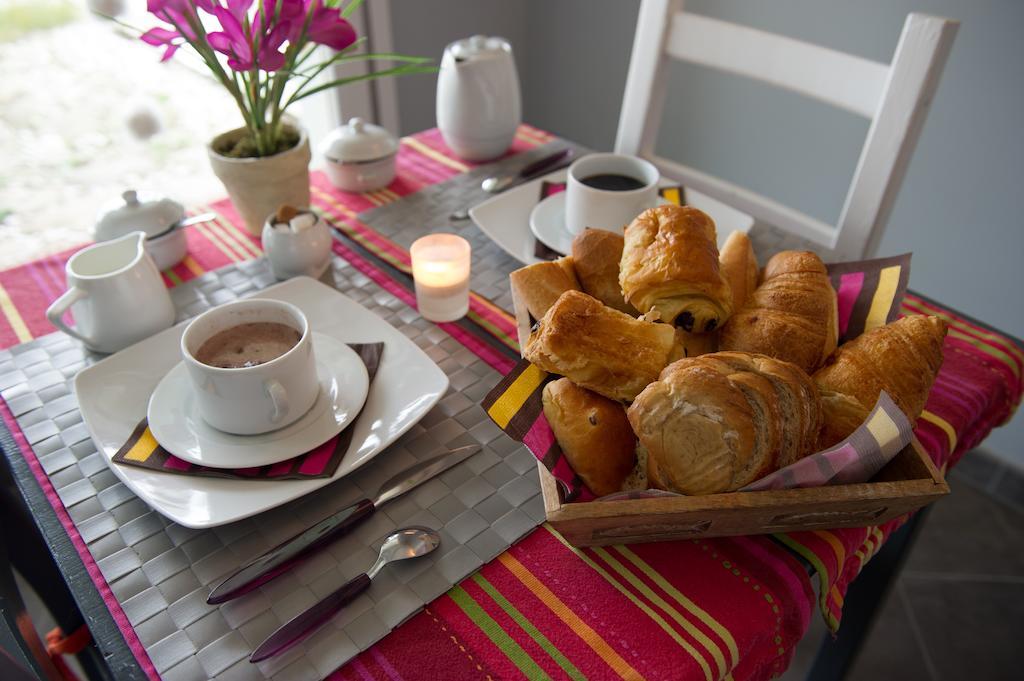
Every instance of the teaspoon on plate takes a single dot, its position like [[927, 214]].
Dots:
[[499, 183], [410, 542]]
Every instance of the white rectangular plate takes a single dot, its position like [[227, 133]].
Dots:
[[506, 217], [113, 394]]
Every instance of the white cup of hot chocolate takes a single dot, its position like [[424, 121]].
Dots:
[[251, 365]]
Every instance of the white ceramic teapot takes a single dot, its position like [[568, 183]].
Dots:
[[115, 293], [478, 102]]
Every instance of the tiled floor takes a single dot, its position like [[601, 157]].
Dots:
[[956, 608]]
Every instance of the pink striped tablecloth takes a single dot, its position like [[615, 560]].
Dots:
[[703, 609]]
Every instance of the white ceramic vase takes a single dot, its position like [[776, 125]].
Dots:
[[258, 186]]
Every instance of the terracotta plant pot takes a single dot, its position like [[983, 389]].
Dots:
[[257, 186]]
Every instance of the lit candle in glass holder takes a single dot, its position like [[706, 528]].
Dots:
[[440, 269]]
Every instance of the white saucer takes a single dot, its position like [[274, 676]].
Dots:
[[505, 218], [547, 222], [176, 423]]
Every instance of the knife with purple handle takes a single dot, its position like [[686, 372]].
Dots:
[[292, 551]]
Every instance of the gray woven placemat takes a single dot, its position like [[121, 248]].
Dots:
[[161, 572]]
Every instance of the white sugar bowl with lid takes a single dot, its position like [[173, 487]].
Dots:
[[162, 220], [360, 156]]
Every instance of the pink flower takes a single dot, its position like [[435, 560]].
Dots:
[[250, 39], [161, 36], [329, 28], [231, 40]]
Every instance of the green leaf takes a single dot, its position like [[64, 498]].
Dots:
[[312, 71], [396, 71], [350, 8]]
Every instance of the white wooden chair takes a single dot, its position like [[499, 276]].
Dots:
[[894, 97]]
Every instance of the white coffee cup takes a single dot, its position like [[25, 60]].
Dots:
[[587, 206], [256, 399]]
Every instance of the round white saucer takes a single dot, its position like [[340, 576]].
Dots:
[[176, 424], [547, 222]]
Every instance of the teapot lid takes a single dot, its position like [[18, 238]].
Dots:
[[137, 211], [358, 141], [479, 46]]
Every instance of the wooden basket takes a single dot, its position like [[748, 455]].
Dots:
[[908, 482]]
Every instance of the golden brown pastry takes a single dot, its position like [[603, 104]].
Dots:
[[901, 358], [693, 344], [739, 267], [593, 433], [599, 348], [540, 284], [596, 254], [670, 270], [720, 421], [791, 316]]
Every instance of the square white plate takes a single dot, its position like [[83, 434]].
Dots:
[[506, 217], [113, 394]]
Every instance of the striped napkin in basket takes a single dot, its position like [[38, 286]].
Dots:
[[143, 451], [869, 293]]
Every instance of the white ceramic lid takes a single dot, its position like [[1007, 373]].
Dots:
[[479, 46], [358, 141], [137, 211]]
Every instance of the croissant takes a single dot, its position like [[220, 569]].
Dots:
[[540, 284], [670, 269], [901, 358], [791, 316], [597, 254], [739, 267], [720, 421], [599, 348]]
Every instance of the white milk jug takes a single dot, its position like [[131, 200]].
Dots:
[[478, 103], [115, 293]]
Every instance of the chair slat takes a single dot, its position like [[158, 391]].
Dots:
[[843, 80], [916, 68]]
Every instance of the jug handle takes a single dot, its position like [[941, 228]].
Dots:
[[56, 311]]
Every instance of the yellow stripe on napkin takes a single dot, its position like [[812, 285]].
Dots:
[[671, 194], [884, 431], [516, 395], [143, 447], [881, 303]]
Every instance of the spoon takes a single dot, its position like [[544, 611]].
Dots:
[[500, 183], [185, 222], [409, 542]]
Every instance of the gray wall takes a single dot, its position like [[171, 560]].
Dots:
[[957, 210]]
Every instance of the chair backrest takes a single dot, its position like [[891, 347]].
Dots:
[[894, 97]]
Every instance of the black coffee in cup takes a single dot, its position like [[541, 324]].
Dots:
[[247, 345], [612, 182]]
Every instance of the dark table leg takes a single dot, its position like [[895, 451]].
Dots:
[[863, 599], [46, 557]]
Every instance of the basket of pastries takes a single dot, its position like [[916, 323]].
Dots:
[[671, 390]]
